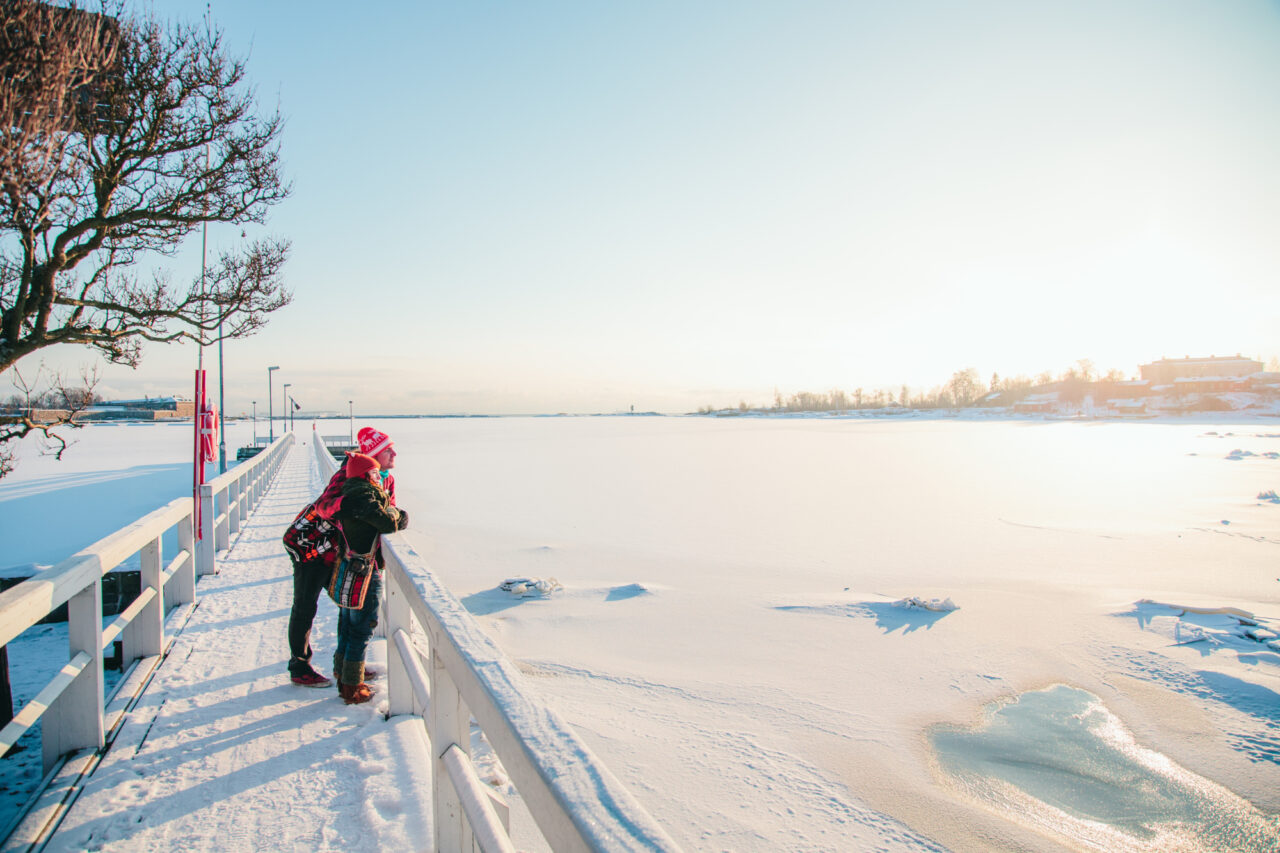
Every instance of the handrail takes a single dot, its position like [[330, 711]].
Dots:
[[71, 705], [575, 801]]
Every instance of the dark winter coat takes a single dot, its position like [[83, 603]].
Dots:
[[366, 512]]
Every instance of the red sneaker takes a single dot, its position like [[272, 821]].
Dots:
[[310, 679]]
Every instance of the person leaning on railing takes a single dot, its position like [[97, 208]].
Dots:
[[314, 545], [364, 514]]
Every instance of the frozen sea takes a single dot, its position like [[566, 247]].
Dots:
[[732, 633]]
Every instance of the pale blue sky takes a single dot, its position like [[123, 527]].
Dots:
[[580, 206]]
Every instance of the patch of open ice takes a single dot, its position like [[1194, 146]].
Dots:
[[1060, 760]]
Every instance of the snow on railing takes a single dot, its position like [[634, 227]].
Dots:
[[576, 802], [71, 707]]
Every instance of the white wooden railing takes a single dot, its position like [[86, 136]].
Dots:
[[71, 707], [462, 674]]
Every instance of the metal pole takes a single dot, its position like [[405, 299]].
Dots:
[[222, 409], [351, 423], [284, 403], [271, 424], [255, 423], [222, 380], [293, 407]]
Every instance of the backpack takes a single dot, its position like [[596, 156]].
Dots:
[[311, 538]]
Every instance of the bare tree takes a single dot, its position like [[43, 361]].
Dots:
[[167, 138], [52, 62], [40, 411], [965, 387]]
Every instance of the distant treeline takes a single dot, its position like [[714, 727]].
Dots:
[[964, 388]]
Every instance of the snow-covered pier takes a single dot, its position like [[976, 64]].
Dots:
[[211, 747]]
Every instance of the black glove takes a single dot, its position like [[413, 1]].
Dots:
[[403, 521]]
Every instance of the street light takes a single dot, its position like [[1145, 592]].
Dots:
[[271, 429], [255, 423], [351, 423], [284, 403]]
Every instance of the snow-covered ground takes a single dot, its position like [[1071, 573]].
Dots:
[[734, 637]]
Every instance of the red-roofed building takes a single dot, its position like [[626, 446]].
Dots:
[[1207, 371]]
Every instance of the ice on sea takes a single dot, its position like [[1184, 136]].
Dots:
[[530, 587], [1238, 454], [1217, 627], [938, 605]]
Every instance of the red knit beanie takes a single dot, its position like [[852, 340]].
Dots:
[[372, 442], [360, 465]]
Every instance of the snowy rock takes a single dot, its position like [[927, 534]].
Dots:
[[940, 605], [530, 587], [1222, 627]]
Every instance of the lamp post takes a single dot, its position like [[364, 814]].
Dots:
[[271, 428], [284, 403], [255, 423], [351, 422]]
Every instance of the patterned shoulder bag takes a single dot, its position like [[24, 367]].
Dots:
[[351, 573]]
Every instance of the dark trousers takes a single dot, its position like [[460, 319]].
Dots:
[[308, 581]]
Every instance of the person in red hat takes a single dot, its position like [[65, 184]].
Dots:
[[364, 514], [313, 561]]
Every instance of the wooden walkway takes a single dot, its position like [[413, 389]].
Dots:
[[223, 753]]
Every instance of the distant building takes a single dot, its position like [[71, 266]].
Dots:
[[47, 416], [1036, 404], [1213, 370], [149, 408]]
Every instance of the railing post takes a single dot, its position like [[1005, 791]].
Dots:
[[233, 506], [222, 530], [450, 726], [400, 699], [74, 720], [207, 545], [149, 634], [183, 583]]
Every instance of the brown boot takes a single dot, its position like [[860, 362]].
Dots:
[[351, 685], [355, 694]]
